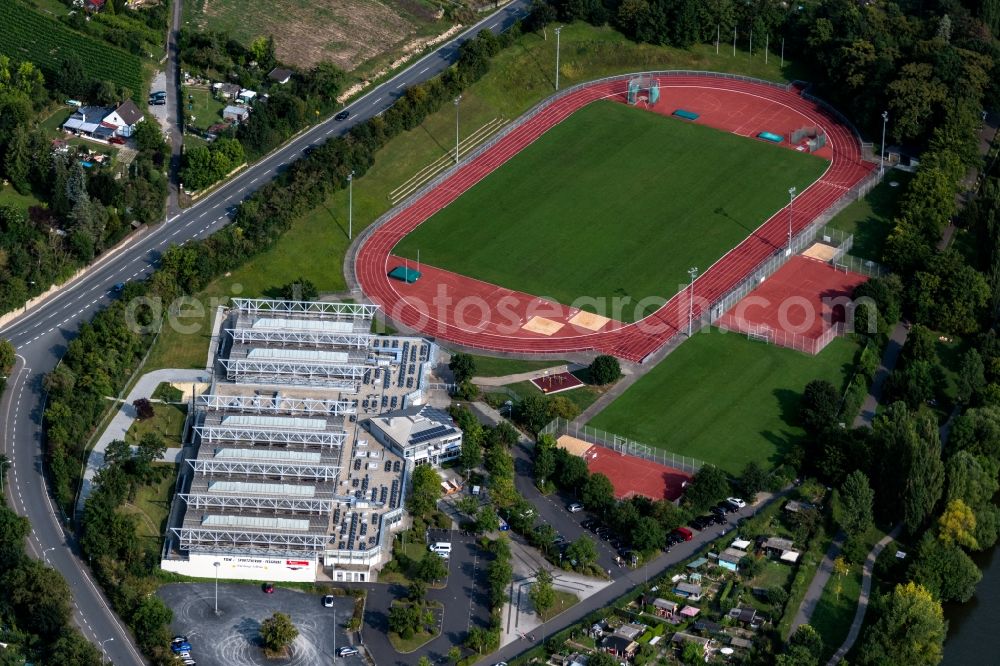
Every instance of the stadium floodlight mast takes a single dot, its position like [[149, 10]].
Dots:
[[693, 272], [791, 199], [557, 31], [350, 205], [885, 121], [457, 100]]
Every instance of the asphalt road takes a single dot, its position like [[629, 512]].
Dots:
[[42, 334]]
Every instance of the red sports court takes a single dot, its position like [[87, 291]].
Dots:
[[563, 381], [801, 306], [636, 476]]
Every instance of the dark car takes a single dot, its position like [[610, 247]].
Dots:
[[588, 524], [725, 507], [343, 115], [118, 288], [158, 93], [701, 522], [180, 647], [268, 588], [159, 101]]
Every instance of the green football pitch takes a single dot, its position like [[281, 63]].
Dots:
[[614, 202], [724, 399]]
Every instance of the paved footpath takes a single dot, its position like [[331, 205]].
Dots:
[[815, 591], [122, 421], [526, 376], [889, 358], [866, 588]]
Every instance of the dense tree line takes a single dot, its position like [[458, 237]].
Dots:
[[87, 210], [35, 607]]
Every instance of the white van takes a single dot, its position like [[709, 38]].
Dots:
[[442, 548]]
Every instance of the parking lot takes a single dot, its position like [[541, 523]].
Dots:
[[232, 637]]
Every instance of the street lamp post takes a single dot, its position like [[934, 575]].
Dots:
[[104, 653], [885, 121], [457, 100], [350, 206], [557, 31], [45, 551], [216, 565], [693, 272], [791, 199]]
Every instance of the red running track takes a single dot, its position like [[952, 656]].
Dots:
[[741, 107]]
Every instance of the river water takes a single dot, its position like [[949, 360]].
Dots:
[[973, 627]]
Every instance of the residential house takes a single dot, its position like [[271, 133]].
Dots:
[[226, 90], [87, 120], [236, 114], [629, 631], [125, 118], [708, 627], [663, 608], [280, 76], [246, 96], [619, 646], [730, 558], [740, 544], [689, 591], [781, 549], [746, 615]]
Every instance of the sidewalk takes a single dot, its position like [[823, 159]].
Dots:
[[889, 358], [526, 376], [815, 591], [866, 588], [122, 421]]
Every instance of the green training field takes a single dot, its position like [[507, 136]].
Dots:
[[725, 399], [613, 202]]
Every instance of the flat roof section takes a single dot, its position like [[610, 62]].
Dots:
[[268, 454], [282, 422], [312, 325], [251, 488], [311, 355], [256, 522]]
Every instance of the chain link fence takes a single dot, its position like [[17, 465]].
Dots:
[[624, 445]]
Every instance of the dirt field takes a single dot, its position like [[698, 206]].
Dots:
[[349, 33]]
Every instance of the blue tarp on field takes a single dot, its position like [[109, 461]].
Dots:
[[404, 274]]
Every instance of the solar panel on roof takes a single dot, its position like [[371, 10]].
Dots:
[[322, 325], [247, 487], [313, 355], [430, 434]]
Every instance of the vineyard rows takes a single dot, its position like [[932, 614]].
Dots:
[[28, 35]]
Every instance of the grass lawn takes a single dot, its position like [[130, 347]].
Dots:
[[834, 613], [564, 600], [488, 366], [519, 77], [168, 422], [152, 505], [11, 197], [200, 103], [608, 165], [870, 219], [725, 399]]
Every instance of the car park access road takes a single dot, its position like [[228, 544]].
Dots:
[[42, 333]]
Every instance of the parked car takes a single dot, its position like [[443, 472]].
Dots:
[[158, 93], [343, 115], [347, 651], [179, 639], [118, 288], [268, 588], [684, 533], [575, 507], [700, 522], [117, 140], [180, 647], [726, 507], [589, 523], [736, 501], [559, 539], [157, 102], [328, 601]]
